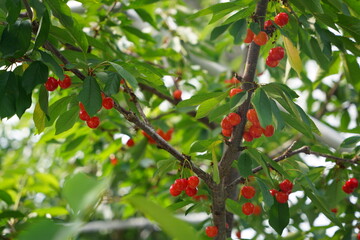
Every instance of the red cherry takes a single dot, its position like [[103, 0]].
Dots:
[[177, 94], [130, 142], [347, 189], [281, 19], [81, 105], [83, 115], [257, 210], [180, 184], [211, 231], [167, 136], [173, 191], [249, 36], [108, 103], [281, 197], [226, 124], [93, 122], [268, 131], [248, 192], [352, 183], [272, 63], [234, 119], [358, 236], [200, 197], [247, 137], [261, 38], [233, 80], [273, 191], [65, 83], [226, 132], [191, 191], [255, 131], [248, 208], [238, 234], [252, 116], [268, 23], [234, 91], [286, 186], [334, 210], [113, 160], [193, 181], [276, 53], [51, 84]]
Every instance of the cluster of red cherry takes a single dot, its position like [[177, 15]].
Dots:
[[275, 56], [229, 122], [93, 122], [350, 185], [188, 185], [253, 128], [52, 84], [282, 196], [165, 135], [248, 208]]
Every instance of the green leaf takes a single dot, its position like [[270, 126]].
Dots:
[[262, 106], [293, 55], [39, 118], [178, 205], [297, 124], [319, 56], [111, 80], [265, 192], [257, 156], [11, 214], [207, 106], [350, 24], [23, 99], [245, 164], [9, 91], [238, 30], [238, 99], [233, 207], [15, 39], [52, 64], [13, 10], [125, 74], [44, 100], [174, 227], [203, 145], [46, 229], [38, 6], [57, 108], [36, 73], [219, 7], [82, 192], [351, 69], [240, 15], [350, 142], [138, 33], [90, 95], [6, 197], [165, 166], [43, 30], [280, 124], [66, 120], [320, 204], [62, 11], [146, 17], [53, 211], [279, 216], [274, 165], [216, 32], [219, 112], [198, 99]]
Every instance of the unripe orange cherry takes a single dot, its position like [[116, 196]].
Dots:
[[261, 38]]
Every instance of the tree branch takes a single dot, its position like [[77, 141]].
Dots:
[[289, 153]]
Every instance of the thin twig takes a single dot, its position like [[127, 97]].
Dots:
[[289, 153], [136, 102], [28, 9]]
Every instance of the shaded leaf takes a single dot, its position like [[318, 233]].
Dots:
[[279, 216], [90, 95]]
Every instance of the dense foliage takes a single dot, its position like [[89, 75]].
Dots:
[[154, 80]]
